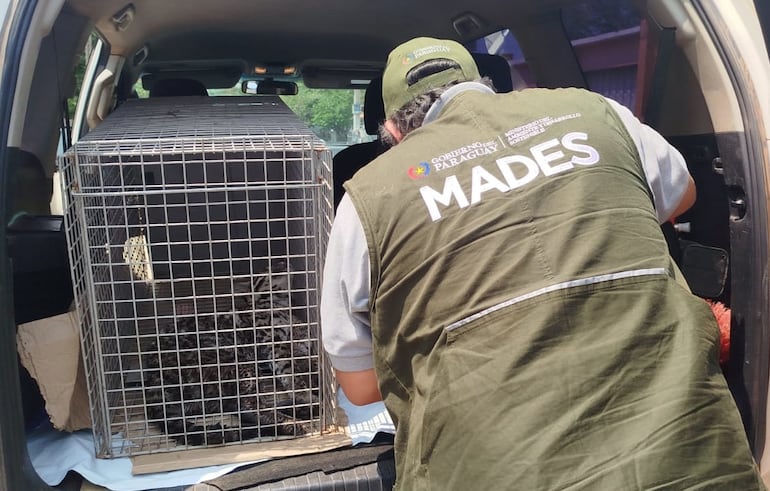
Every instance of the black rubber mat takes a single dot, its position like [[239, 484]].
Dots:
[[378, 452]]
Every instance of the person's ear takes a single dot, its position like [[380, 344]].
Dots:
[[393, 130]]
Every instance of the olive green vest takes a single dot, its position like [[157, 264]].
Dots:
[[528, 331]]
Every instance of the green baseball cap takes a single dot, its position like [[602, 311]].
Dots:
[[396, 92]]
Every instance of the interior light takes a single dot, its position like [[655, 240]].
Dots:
[[289, 70], [260, 70]]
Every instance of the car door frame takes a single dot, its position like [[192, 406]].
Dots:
[[747, 184], [16, 471]]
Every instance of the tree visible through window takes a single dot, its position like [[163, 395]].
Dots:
[[328, 112]]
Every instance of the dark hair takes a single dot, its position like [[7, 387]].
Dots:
[[412, 114]]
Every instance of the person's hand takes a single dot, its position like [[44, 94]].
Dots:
[[361, 387]]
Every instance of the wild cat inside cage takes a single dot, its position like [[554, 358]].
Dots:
[[241, 371]]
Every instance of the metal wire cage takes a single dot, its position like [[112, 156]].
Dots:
[[197, 230]]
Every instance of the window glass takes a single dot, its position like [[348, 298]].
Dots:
[[586, 18], [605, 35], [336, 115], [140, 91], [80, 69], [504, 44]]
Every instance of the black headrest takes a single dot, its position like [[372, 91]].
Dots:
[[496, 68], [171, 87], [374, 108]]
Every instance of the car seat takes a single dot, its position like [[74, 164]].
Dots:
[[349, 160], [172, 87], [497, 69]]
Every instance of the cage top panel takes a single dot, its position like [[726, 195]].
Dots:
[[180, 124]]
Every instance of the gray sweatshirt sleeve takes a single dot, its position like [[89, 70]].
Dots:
[[664, 166], [345, 327]]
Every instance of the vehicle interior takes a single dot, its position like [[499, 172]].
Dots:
[[665, 64]]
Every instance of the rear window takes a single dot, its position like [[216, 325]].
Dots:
[[606, 35]]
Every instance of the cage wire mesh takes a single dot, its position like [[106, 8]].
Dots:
[[197, 230]]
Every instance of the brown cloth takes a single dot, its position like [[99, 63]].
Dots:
[[50, 350]]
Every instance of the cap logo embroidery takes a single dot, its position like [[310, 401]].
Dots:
[[428, 50]]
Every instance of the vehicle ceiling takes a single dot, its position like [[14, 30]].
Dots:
[[291, 31]]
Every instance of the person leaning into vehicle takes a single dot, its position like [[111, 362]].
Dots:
[[500, 279]]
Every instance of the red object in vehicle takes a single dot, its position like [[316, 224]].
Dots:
[[722, 315]]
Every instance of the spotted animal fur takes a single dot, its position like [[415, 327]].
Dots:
[[250, 372]]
